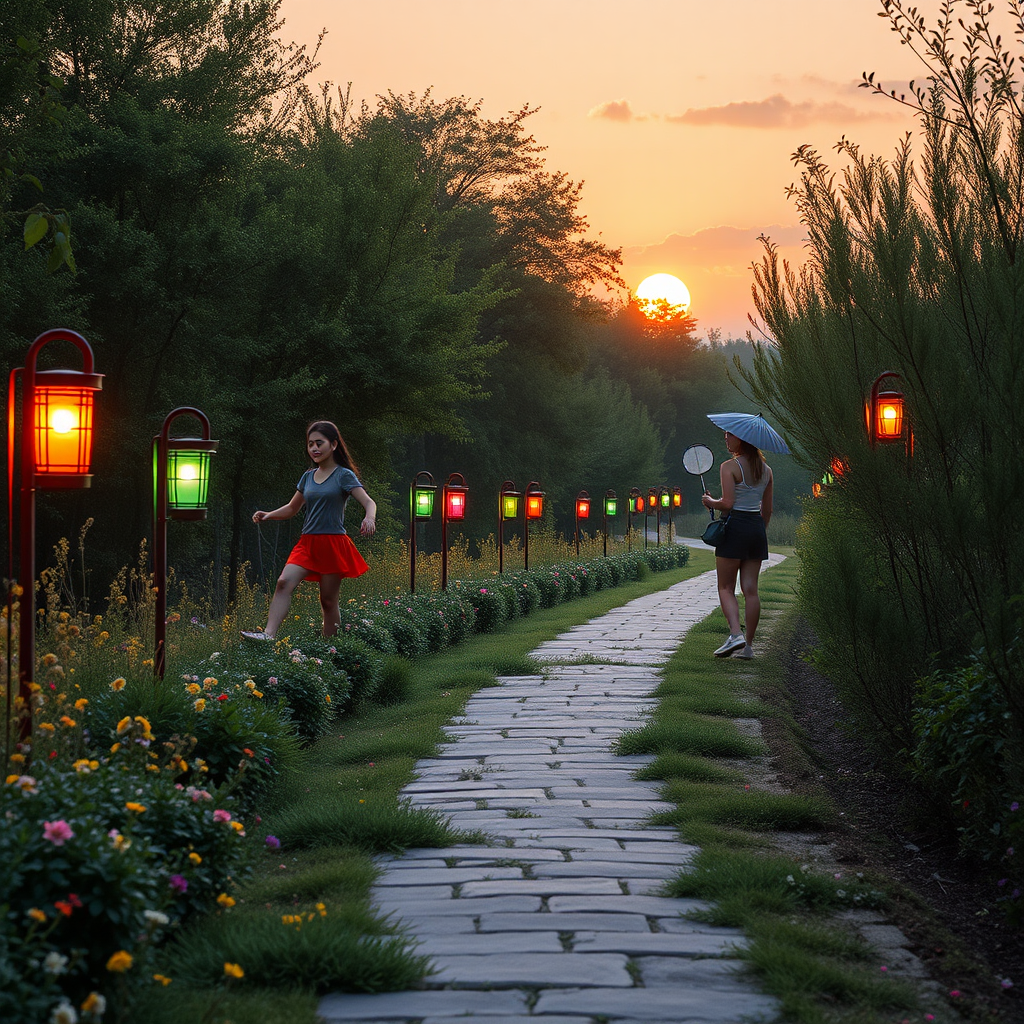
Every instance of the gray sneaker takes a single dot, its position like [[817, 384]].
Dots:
[[256, 635], [734, 643]]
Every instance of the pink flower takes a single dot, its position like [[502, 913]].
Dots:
[[178, 883], [954, 993], [58, 832], [273, 680], [221, 815]]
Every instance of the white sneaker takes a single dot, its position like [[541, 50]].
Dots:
[[734, 643], [746, 654], [257, 634]]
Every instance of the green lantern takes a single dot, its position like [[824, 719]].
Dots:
[[188, 477], [666, 499], [423, 501], [611, 505]]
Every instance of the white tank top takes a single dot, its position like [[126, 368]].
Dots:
[[748, 498]]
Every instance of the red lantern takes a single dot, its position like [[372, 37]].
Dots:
[[534, 505], [640, 504], [677, 497], [455, 504], [583, 508], [62, 427], [885, 413]]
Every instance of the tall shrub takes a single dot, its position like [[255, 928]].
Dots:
[[913, 266]]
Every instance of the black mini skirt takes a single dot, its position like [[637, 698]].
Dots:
[[745, 538]]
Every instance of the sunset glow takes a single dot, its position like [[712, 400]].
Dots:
[[662, 295]]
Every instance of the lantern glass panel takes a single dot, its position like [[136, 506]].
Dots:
[[188, 478], [509, 506], [534, 506], [423, 502], [611, 506], [582, 508], [63, 424], [677, 499], [666, 499], [456, 505], [640, 506], [889, 417]]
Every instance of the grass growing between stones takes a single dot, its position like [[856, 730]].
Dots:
[[821, 972], [331, 811]]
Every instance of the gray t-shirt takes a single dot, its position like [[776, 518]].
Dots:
[[325, 503]]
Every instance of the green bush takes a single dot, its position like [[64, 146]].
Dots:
[[490, 607]]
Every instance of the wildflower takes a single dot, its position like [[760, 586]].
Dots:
[[1014, 806], [250, 684], [200, 705], [238, 827], [115, 748], [55, 963], [120, 962], [257, 693], [64, 1013], [67, 722], [46, 726], [225, 901], [57, 832], [193, 688], [81, 703], [954, 993], [83, 765], [327, 697], [247, 752], [221, 815], [135, 808], [178, 883], [156, 918], [124, 725], [222, 696], [233, 971], [322, 909], [1005, 983], [162, 979], [273, 843], [37, 915], [119, 683], [95, 1004], [208, 682], [147, 729], [64, 907], [17, 759]]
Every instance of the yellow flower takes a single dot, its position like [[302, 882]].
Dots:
[[120, 962], [225, 901], [147, 729], [94, 1003], [250, 684], [118, 683], [81, 703], [51, 659], [147, 662], [135, 808], [200, 705], [124, 725], [68, 723], [17, 758], [152, 767], [84, 765], [327, 697], [115, 748], [47, 726], [257, 693], [195, 859], [237, 826], [36, 914], [193, 688], [322, 909], [233, 971], [163, 979], [209, 681]]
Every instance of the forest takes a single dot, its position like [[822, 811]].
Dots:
[[227, 234]]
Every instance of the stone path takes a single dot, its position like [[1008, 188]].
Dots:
[[559, 921]]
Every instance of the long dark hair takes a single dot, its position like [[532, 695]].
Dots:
[[754, 457], [333, 434]]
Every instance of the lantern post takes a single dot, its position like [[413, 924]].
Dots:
[[181, 489], [421, 508], [533, 508], [453, 508], [652, 508], [611, 508], [677, 505], [885, 413], [636, 504], [508, 508], [55, 454], [582, 512]]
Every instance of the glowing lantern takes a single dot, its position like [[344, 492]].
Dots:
[[62, 427], [677, 497], [423, 498], [816, 489], [508, 501], [534, 510], [885, 413], [611, 504], [455, 503], [652, 500], [453, 508], [534, 504], [188, 477], [665, 498], [639, 503], [583, 505]]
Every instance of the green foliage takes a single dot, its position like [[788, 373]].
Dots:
[[690, 735]]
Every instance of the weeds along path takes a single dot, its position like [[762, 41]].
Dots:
[[559, 917]]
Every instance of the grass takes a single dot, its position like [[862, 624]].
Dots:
[[331, 812], [820, 971]]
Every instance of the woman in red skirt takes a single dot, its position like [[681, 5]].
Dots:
[[324, 552]]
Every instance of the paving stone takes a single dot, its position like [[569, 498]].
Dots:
[[443, 876], [494, 944], [674, 1005], [551, 1019], [604, 969], [720, 975], [415, 1005], [564, 922], [554, 887], [485, 905], [651, 906], [597, 869], [722, 941]]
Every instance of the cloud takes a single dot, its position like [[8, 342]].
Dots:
[[613, 110], [774, 112]]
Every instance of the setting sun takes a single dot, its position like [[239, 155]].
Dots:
[[663, 296]]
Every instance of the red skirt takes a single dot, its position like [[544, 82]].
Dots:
[[327, 554]]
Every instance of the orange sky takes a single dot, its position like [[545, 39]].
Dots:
[[679, 115]]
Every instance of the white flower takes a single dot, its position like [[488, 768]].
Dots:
[[840, 893], [789, 878], [64, 1013], [55, 963], [155, 918]]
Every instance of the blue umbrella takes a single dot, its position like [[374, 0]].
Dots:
[[750, 428]]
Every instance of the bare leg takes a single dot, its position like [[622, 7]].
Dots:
[[329, 587], [291, 576], [727, 569], [749, 571]]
